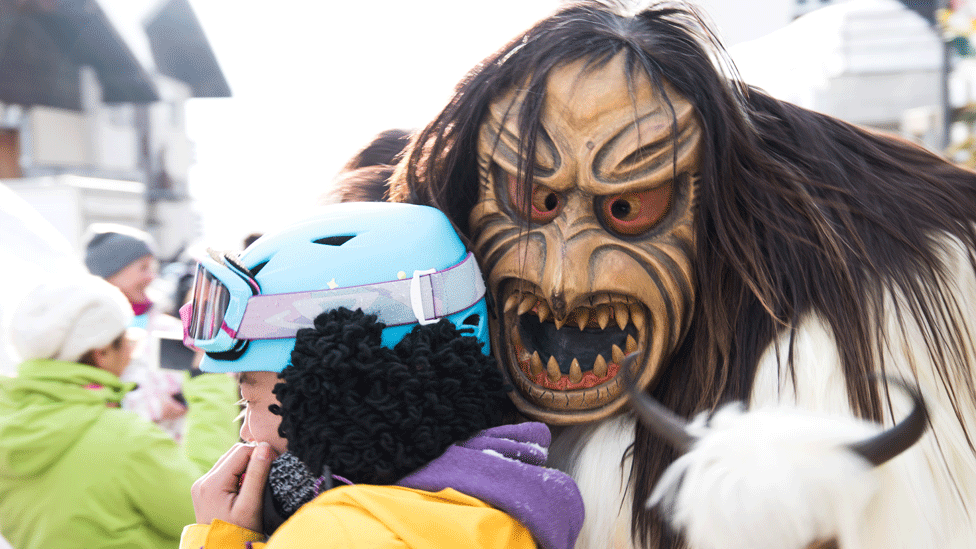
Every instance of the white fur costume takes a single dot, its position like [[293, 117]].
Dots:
[[779, 476]]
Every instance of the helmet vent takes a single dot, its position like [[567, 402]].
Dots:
[[335, 240], [472, 320]]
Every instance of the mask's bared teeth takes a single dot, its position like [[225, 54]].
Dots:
[[511, 302], [599, 366], [617, 355], [631, 344], [603, 316], [542, 310], [535, 364], [621, 313], [552, 370], [637, 317], [528, 301], [558, 322], [575, 372], [582, 316]]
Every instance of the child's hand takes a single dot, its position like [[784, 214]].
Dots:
[[232, 491]]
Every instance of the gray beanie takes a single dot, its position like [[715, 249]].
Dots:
[[112, 247], [64, 319]]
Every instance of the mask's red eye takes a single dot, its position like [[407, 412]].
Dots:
[[545, 203], [634, 213]]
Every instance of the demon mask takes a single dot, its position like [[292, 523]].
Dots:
[[591, 259]]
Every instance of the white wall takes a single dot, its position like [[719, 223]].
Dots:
[[168, 128], [59, 137], [71, 203], [864, 61], [181, 228], [117, 138], [99, 136]]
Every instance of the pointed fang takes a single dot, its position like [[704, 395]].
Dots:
[[552, 369], [535, 364], [542, 310], [621, 313], [511, 302], [617, 354], [575, 372], [600, 366], [603, 316], [527, 303], [637, 317], [582, 317]]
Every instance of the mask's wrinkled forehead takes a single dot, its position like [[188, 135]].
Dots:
[[622, 126]]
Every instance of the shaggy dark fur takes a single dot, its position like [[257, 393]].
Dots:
[[369, 184], [383, 150], [374, 414], [366, 177], [796, 212]]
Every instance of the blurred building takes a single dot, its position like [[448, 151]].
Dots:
[[92, 101], [900, 65], [869, 62]]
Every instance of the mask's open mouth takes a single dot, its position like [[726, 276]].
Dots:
[[580, 352]]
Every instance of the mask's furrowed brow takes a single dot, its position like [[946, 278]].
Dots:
[[502, 141], [648, 149]]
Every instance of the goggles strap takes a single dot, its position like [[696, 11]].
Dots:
[[186, 312], [425, 298]]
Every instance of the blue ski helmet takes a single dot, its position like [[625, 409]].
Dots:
[[403, 262]]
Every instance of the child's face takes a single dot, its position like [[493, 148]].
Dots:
[[260, 425], [135, 278]]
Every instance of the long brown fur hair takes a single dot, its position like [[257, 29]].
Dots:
[[366, 176], [796, 212]]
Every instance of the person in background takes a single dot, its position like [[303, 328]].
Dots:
[[366, 176], [125, 257], [384, 149], [76, 470]]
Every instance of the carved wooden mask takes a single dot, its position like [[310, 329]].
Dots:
[[597, 263]]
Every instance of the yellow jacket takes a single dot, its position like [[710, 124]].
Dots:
[[376, 517]]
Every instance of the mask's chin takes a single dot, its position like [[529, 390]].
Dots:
[[570, 365]]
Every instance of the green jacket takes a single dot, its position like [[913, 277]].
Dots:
[[78, 471]]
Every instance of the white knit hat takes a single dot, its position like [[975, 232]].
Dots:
[[64, 319]]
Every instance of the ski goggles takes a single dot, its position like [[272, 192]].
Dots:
[[228, 308]]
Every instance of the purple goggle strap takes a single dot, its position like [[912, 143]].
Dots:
[[424, 298]]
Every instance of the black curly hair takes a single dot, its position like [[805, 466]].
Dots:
[[374, 414]]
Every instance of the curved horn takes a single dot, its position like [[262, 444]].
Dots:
[[902, 436], [662, 421]]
